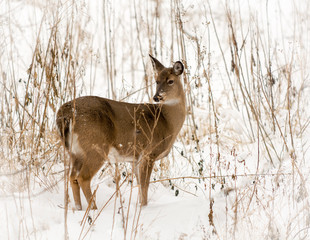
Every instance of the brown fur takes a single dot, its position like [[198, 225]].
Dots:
[[142, 133]]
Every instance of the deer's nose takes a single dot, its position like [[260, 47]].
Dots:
[[157, 98]]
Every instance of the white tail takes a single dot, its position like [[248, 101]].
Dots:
[[96, 129]]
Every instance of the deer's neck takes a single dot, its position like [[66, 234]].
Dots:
[[174, 112]]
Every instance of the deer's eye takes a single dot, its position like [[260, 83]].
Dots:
[[170, 82]]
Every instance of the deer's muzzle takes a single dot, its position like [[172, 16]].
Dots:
[[157, 97]]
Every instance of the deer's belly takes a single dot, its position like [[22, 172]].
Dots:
[[115, 157]]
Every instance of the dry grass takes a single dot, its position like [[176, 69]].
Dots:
[[237, 66]]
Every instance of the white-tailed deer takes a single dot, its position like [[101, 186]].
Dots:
[[95, 129]]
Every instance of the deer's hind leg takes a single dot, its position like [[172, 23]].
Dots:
[[91, 165], [75, 186], [85, 185]]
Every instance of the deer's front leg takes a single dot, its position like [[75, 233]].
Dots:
[[145, 168]]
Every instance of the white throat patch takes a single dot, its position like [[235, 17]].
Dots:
[[172, 102]]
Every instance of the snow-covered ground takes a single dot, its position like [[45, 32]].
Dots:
[[240, 166]]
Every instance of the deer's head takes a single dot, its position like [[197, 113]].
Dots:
[[169, 88]]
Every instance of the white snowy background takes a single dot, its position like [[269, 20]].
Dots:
[[240, 166]]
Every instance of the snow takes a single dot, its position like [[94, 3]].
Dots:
[[228, 175]]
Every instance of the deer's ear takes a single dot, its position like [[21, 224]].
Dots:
[[158, 67], [178, 68]]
